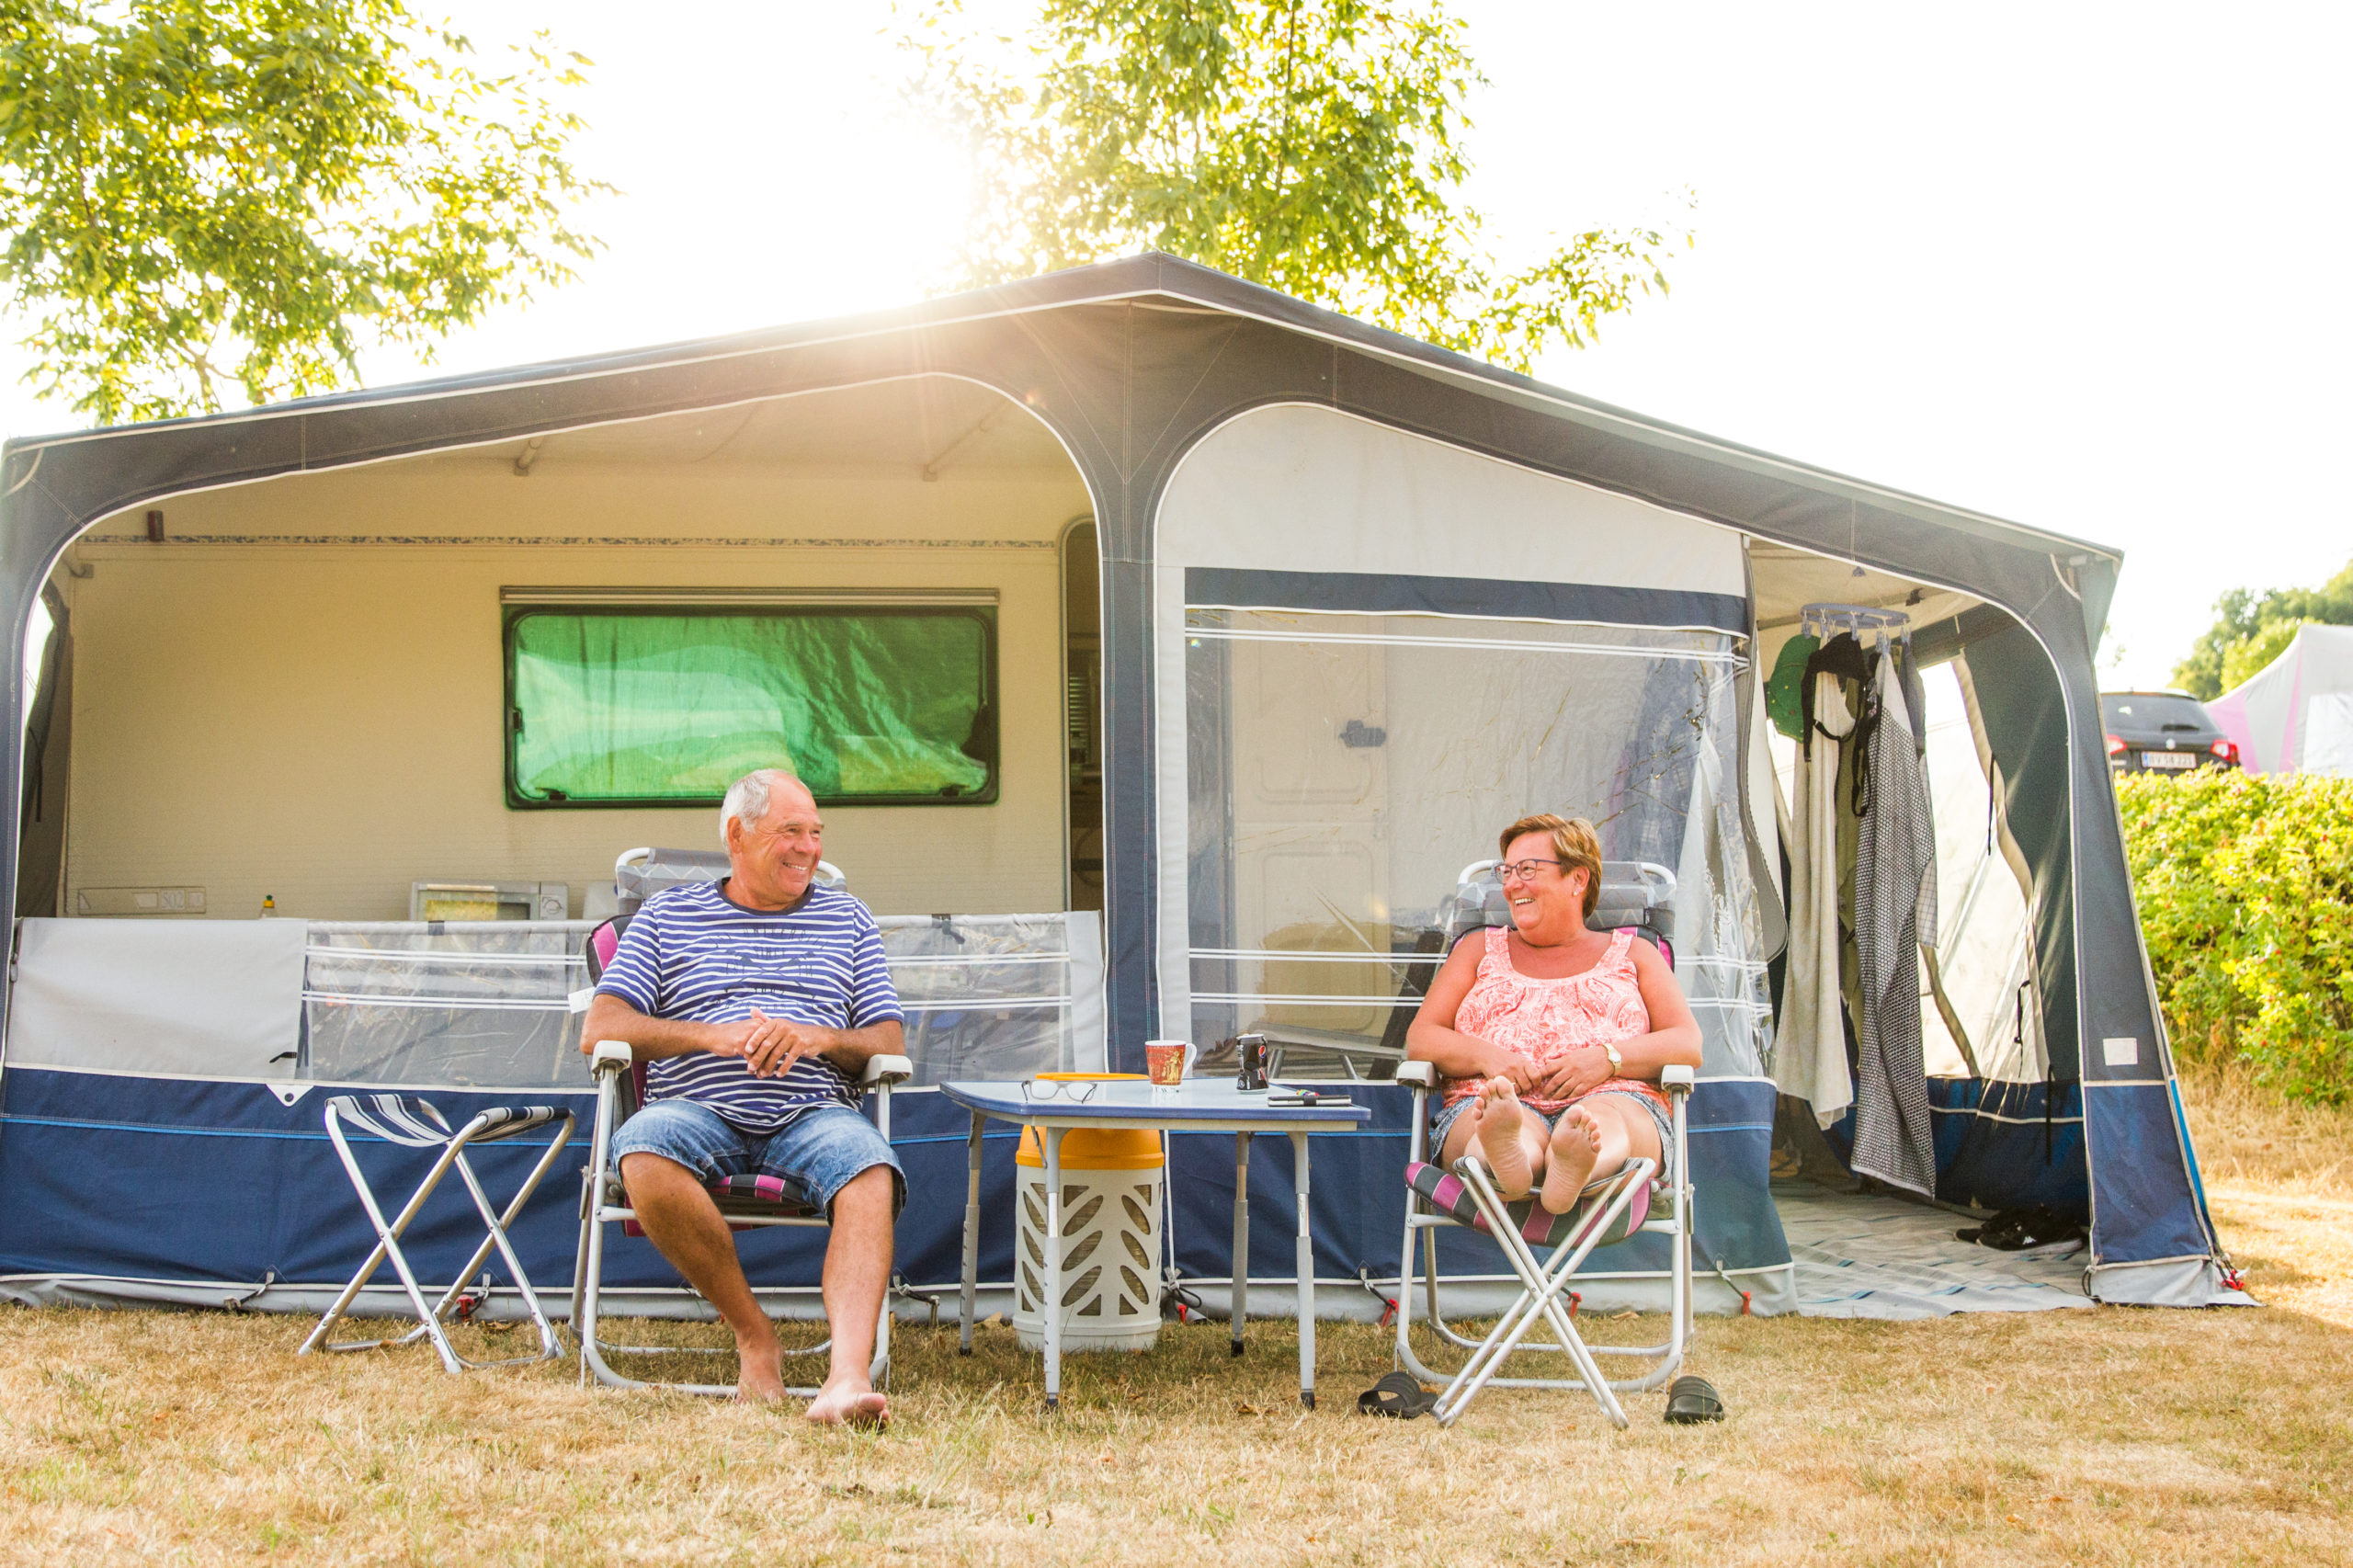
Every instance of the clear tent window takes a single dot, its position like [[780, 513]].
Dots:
[[867, 704], [1343, 769]]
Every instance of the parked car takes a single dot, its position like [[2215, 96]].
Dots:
[[2161, 732]]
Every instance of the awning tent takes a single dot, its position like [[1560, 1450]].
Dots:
[[2295, 715], [1361, 601]]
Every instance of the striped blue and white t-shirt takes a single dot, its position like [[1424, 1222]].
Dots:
[[694, 954]]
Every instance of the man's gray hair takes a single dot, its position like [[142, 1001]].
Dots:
[[748, 798]]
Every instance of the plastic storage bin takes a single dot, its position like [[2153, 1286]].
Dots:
[[1112, 1185]]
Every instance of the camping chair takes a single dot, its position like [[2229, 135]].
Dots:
[[639, 873], [412, 1123], [1628, 1202], [745, 1202], [1636, 894]]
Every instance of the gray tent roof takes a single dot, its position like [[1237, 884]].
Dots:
[[1181, 284]]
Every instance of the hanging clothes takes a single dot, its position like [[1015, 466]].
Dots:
[[1809, 1044], [1896, 914], [1785, 690]]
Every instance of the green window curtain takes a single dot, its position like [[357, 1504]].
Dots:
[[863, 705]]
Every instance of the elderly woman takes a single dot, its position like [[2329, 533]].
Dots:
[[1552, 1036]]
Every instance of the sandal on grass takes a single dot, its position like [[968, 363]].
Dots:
[[1690, 1401], [1400, 1394], [2020, 1230]]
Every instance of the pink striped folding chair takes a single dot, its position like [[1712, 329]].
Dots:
[[1632, 1201], [748, 1202]]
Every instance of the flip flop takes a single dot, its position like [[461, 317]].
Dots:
[[1400, 1395], [2016, 1229], [1692, 1401]]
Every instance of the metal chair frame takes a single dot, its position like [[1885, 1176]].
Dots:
[[1544, 1281], [604, 1201], [490, 1124]]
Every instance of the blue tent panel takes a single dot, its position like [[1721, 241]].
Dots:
[[2010, 1146], [197, 1183]]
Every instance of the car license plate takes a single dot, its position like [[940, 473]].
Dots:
[[2169, 759]]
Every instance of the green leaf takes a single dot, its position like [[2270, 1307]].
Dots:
[[1315, 146], [202, 198]]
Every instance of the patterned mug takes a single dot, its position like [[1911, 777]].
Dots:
[[1169, 1061]]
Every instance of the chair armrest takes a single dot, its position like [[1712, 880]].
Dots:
[[1418, 1075], [1678, 1079], [610, 1056], [884, 1070]]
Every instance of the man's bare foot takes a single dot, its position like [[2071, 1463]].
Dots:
[[1576, 1144], [759, 1378], [1500, 1144], [849, 1402]]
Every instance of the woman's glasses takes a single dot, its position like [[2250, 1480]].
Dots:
[[1521, 870], [1076, 1091]]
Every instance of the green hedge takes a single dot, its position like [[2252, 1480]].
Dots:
[[2246, 890]]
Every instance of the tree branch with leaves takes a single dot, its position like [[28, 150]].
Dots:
[[208, 199], [1314, 146]]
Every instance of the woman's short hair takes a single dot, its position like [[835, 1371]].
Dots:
[[1574, 843]]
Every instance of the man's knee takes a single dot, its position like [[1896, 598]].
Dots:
[[870, 1196], [643, 1173]]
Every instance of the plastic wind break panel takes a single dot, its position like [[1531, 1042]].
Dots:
[[1343, 769], [486, 1006]]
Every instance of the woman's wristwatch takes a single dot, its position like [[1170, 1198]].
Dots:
[[1617, 1063]]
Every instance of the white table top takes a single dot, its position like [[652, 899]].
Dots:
[[1207, 1104]]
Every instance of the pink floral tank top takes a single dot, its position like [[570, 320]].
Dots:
[[1545, 1019]]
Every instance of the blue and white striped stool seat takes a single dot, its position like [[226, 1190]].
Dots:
[[414, 1123]]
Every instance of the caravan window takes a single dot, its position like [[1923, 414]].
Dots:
[[666, 705]]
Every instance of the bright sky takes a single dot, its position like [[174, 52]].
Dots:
[[2076, 265]]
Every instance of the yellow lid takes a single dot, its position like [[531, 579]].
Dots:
[[1094, 1148]]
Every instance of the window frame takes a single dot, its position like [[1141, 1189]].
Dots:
[[514, 612]]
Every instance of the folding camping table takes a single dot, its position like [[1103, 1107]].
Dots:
[[1196, 1106]]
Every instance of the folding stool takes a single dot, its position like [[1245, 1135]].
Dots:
[[415, 1124], [1625, 1203]]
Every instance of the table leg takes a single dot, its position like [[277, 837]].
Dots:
[[1052, 1305], [1305, 1264], [1241, 1237], [972, 1237]]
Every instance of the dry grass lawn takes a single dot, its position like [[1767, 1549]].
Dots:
[[2111, 1437]]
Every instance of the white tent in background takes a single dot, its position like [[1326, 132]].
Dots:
[[2295, 715]]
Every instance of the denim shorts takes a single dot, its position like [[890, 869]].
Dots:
[[821, 1150], [1443, 1122]]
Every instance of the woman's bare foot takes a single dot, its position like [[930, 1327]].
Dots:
[[1576, 1144], [1500, 1121], [849, 1402]]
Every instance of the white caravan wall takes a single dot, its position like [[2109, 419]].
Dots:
[[323, 720]]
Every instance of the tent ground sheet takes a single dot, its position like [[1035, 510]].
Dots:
[[1865, 1255]]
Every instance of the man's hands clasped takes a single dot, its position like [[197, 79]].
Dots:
[[770, 1047]]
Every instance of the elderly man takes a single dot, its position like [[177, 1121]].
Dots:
[[758, 1000]]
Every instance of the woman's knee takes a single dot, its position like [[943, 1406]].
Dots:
[[1629, 1125]]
